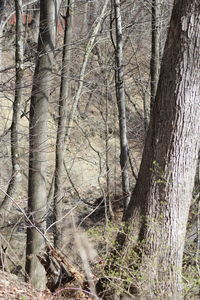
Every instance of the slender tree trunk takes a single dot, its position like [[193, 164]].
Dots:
[[120, 95], [2, 4], [61, 130], [88, 50], [85, 23], [101, 63], [108, 198], [38, 146], [197, 177], [155, 49], [72, 111], [13, 185]]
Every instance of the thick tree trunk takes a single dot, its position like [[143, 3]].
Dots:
[[15, 131], [61, 130], [164, 188], [38, 143], [160, 202], [120, 95]]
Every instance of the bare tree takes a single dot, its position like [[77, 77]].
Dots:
[[62, 121], [155, 48], [37, 197], [14, 182], [120, 95], [2, 5], [164, 188], [159, 205], [65, 125], [91, 41]]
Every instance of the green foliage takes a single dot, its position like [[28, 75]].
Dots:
[[191, 279], [128, 272]]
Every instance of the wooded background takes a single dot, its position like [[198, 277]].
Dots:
[[99, 145]]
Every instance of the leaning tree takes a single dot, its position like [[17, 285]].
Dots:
[[158, 210]]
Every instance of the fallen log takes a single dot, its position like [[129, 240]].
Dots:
[[63, 276]]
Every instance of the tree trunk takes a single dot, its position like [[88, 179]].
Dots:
[[61, 130], [89, 47], [160, 202], [120, 95], [197, 176], [38, 147], [2, 4], [109, 214], [165, 182], [155, 49], [13, 185]]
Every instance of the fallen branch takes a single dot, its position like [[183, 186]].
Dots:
[[62, 274]]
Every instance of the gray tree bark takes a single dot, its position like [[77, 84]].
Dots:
[[89, 47], [120, 95], [14, 182], [197, 177], [158, 210], [163, 191], [108, 204], [38, 146], [155, 49], [2, 5], [62, 122]]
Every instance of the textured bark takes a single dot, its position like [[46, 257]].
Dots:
[[2, 4], [159, 205], [165, 182], [15, 131], [38, 146], [61, 130], [197, 177], [155, 48], [108, 202], [62, 275], [120, 95]]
